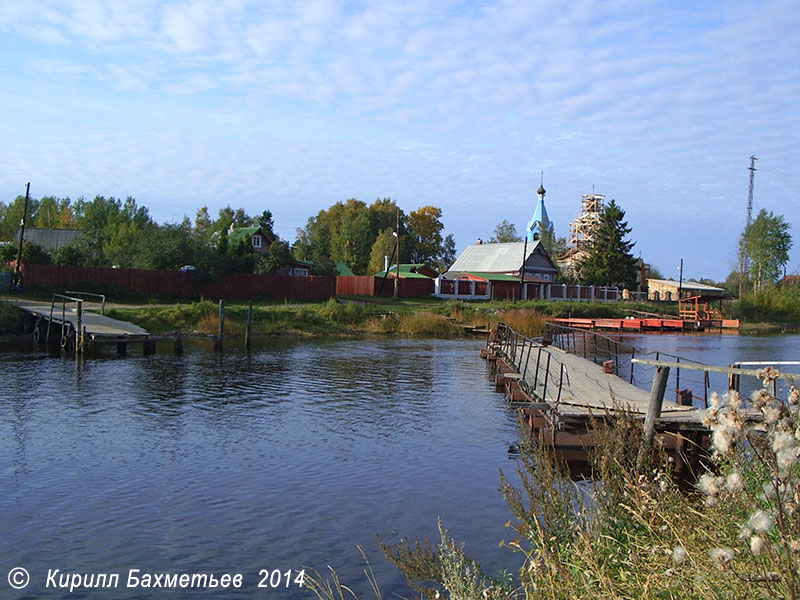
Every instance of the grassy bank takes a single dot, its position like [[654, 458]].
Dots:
[[358, 316], [768, 313], [440, 319]]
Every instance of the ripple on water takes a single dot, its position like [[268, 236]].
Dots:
[[288, 457]]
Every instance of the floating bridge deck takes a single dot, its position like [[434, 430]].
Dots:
[[559, 394]]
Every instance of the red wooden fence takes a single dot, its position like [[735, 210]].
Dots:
[[367, 285], [175, 284]]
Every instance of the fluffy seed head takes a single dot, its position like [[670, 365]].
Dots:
[[756, 544], [760, 521]]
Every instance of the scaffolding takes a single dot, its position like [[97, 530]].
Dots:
[[582, 229]]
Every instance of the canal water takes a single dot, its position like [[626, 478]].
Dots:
[[290, 457]]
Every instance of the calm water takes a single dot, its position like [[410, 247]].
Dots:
[[712, 349], [288, 458]]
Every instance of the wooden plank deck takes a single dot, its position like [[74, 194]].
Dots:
[[99, 328], [587, 389]]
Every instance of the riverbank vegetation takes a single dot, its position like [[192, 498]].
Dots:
[[353, 316], [629, 530], [773, 309]]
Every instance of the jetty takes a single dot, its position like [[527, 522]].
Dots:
[[569, 379], [643, 322], [65, 321]]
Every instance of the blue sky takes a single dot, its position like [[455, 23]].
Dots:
[[292, 106]]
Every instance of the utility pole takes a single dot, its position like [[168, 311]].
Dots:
[[744, 263], [397, 245], [22, 235]]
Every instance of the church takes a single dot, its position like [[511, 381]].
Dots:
[[511, 261]]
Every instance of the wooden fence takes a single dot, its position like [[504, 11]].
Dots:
[[367, 285], [175, 284]]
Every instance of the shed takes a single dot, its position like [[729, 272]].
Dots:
[[667, 289]]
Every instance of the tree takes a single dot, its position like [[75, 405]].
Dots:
[[266, 224], [279, 255], [350, 240], [424, 242], [203, 226], [13, 215], [383, 246], [505, 232], [766, 243], [609, 261]]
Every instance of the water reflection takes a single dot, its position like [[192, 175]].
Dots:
[[289, 456]]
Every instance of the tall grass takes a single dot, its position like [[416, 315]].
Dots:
[[428, 323], [630, 531], [777, 303]]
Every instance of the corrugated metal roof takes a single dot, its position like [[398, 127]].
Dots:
[[688, 285], [49, 239], [492, 258]]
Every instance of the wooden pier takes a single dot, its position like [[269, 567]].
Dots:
[[649, 324], [559, 395], [65, 321]]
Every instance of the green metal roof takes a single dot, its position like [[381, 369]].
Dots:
[[241, 234], [342, 269], [403, 274]]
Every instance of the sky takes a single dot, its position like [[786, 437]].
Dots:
[[294, 106]]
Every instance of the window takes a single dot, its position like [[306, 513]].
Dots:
[[256, 239]]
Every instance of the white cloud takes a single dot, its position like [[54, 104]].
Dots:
[[646, 100]]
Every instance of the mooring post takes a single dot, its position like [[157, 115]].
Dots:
[[249, 325], [177, 342], [653, 410], [221, 331], [733, 378]]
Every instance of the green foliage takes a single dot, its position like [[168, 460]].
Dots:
[[8, 252], [264, 221], [766, 243], [278, 255], [776, 303], [385, 245], [425, 243], [610, 261], [34, 254], [347, 232], [12, 215], [505, 232], [12, 319], [324, 267]]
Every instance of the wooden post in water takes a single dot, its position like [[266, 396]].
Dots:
[[177, 342], [218, 344], [653, 411], [249, 325]]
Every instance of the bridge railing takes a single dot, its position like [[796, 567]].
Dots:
[[592, 346], [91, 295], [539, 372], [65, 325]]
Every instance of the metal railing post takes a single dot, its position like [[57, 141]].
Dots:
[[546, 377]]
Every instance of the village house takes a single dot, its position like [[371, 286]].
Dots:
[[254, 236], [49, 239]]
